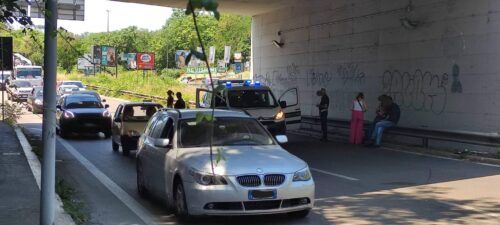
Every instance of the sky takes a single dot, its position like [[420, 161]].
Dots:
[[121, 15]]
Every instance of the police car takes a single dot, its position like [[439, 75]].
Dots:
[[276, 114]]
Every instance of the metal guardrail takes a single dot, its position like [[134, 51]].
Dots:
[[191, 104], [473, 138]]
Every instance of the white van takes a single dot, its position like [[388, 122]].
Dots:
[[33, 74], [276, 114]]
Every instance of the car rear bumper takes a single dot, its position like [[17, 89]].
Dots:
[[233, 199]]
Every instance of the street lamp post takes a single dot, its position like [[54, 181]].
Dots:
[[107, 11], [47, 199]]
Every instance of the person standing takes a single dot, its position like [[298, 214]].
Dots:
[[179, 104], [323, 112], [357, 119], [170, 99]]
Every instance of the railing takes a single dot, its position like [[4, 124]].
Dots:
[[473, 138]]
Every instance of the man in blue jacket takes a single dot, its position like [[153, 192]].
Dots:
[[393, 113]]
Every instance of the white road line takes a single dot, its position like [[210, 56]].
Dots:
[[130, 202], [469, 208], [334, 174]]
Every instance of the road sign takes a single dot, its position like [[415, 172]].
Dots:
[[67, 9]]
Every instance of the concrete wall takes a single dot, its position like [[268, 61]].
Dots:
[[445, 73]]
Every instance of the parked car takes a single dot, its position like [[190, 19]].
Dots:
[[80, 113], [35, 100], [256, 176], [18, 90], [129, 122]]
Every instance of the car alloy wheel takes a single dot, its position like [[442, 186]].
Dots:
[[141, 188], [180, 202]]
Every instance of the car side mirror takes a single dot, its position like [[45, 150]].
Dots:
[[162, 143], [58, 107], [283, 104], [282, 139], [106, 106]]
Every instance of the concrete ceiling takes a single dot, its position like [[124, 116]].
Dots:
[[239, 7]]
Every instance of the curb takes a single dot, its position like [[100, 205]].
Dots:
[[61, 216]]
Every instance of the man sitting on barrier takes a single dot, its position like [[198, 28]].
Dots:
[[387, 116]]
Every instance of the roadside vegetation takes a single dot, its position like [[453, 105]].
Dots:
[[134, 81], [12, 113]]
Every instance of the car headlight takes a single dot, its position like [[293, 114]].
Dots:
[[106, 113], [38, 102], [207, 179], [280, 115], [68, 115], [133, 133], [302, 175]]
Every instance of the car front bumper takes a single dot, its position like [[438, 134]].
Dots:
[[86, 125], [233, 199]]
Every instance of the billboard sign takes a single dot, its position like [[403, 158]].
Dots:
[[96, 54], [180, 58], [227, 54], [131, 60], [83, 62], [146, 61], [211, 56], [108, 56]]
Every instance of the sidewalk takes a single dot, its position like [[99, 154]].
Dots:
[[19, 193]]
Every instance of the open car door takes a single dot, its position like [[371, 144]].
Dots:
[[289, 102], [203, 97]]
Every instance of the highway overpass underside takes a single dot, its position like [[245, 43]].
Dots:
[[438, 59]]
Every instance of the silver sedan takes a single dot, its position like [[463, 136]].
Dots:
[[249, 172]]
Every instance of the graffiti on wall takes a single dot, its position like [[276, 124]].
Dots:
[[420, 91], [456, 86], [280, 77]]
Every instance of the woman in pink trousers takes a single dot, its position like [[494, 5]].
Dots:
[[357, 119]]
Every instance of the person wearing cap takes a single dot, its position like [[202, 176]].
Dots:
[[170, 99], [323, 112]]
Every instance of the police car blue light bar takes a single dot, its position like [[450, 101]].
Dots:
[[228, 84], [256, 84]]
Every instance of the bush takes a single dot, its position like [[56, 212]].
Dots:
[[172, 73], [12, 113]]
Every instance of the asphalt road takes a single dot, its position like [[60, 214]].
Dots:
[[354, 185]]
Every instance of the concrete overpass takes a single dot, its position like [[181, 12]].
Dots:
[[439, 59]]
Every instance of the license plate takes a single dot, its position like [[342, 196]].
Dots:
[[262, 194]]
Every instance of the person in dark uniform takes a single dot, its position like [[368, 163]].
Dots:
[[170, 99], [179, 104], [323, 112]]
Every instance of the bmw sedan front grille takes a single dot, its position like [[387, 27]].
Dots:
[[249, 180], [274, 179]]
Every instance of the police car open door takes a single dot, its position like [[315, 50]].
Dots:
[[289, 102]]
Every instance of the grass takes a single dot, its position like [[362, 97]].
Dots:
[[134, 81], [73, 207]]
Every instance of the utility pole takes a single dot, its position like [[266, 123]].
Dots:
[[47, 204], [107, 11]]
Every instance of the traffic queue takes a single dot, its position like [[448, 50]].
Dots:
[[240, 120]]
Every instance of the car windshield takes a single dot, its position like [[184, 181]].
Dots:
[[22, 84], [139, 113], [82, 101], [228, 131], [76, 83], [28, 73], [251, 99]]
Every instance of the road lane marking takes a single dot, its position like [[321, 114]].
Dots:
[[334, 174], [123, 196]]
